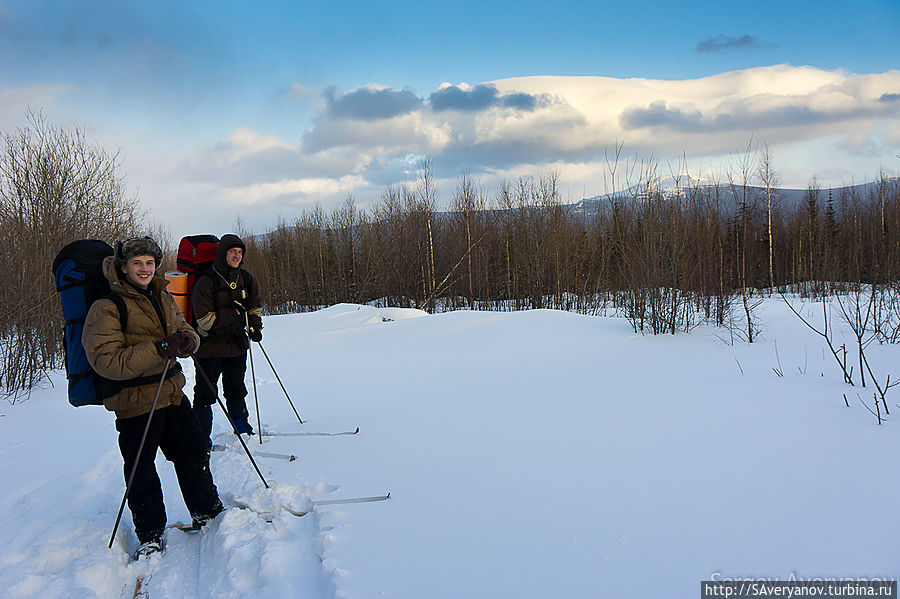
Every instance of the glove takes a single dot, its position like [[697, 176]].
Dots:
[[186, 345], [168, 348], [255, 323]]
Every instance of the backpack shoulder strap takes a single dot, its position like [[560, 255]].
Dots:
[[120, 306]]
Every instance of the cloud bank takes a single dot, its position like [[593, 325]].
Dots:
[[366, 137]]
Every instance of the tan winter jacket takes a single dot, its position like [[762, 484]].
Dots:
[[121, 356]]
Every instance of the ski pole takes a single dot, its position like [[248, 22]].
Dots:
[[253, 373], [278, 378], [233, 427], [137, 458]]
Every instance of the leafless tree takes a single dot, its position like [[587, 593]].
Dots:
[[770, 182], [55, 187]]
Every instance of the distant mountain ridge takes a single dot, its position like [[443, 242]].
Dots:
[[668, 187]]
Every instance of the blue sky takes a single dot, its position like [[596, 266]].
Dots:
[[224, 110]]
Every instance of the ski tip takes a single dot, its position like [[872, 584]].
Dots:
[[189, 529]]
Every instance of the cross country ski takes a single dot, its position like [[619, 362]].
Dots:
[[309, 434]]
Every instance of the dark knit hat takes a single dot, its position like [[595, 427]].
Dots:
[[230, 240], [227, 242], [137, 246]]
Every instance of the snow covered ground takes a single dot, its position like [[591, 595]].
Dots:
[[528, 454]]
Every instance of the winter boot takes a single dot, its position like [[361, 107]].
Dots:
[[200, 520], [242, 426], [149, 547]]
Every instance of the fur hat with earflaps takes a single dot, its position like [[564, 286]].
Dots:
[[137, 246]]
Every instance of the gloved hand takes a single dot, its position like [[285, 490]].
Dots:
[[255, 323], [186, 345], [169, 347]]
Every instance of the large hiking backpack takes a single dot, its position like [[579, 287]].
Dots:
[[196, 254], [78, 273]]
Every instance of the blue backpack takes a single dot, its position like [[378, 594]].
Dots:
[[78, 273]]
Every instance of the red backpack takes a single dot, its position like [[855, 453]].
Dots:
[[196, 254]]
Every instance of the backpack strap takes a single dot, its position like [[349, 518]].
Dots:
[[120, 306], [108, 388]]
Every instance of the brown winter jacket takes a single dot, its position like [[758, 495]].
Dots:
[[123, 355]]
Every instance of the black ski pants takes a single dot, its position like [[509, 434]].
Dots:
[[232, 371], [175, 430]]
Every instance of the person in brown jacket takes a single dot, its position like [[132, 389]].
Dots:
[[225, 300], [132, 338]]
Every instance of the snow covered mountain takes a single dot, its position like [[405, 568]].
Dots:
[[669, 187]]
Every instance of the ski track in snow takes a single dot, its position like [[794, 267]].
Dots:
[[529, 454], [61, 552]]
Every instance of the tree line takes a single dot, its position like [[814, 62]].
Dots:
[[667, 258]]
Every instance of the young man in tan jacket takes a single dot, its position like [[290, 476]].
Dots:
[[134, 358]]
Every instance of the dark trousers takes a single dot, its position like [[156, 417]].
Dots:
[[175, 430], [232, 371]]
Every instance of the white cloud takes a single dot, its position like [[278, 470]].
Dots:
[[703, 115], [244, 142], [300, 190], [245, 157]]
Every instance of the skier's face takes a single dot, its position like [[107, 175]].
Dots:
[[139, 270], [234, 256]]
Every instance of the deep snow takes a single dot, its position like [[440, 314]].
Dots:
[[528, 454]]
